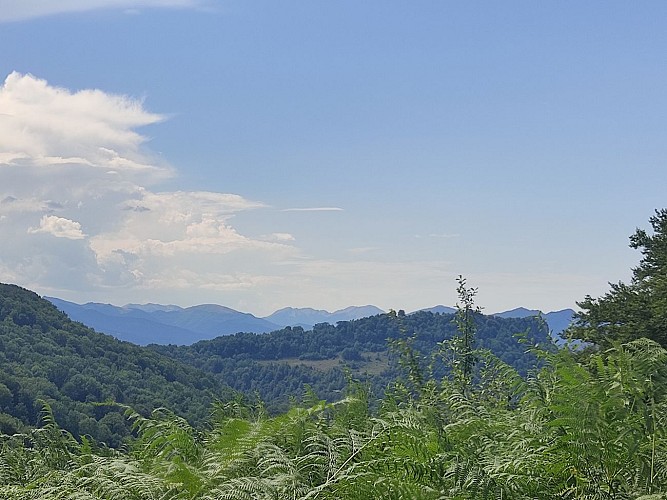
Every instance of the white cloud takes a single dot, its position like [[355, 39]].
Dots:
[[175, 223], [48, 126], [59, 227], [14, 10], [444, 235], [183, 279], [73, 166], [180, 205], [11, 204], [362, 250], [73, 160]]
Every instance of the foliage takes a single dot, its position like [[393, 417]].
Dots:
[[573, 427], [463, 345], [460, 422], [637, 309], [45, 356], [280, 364], [570, 431]]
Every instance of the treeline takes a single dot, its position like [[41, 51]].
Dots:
[[366, 335]]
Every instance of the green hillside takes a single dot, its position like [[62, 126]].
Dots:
[[277, 365], [45, 356]]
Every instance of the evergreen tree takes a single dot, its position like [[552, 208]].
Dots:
[[636, 309]]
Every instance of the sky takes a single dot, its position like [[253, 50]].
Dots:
[[260, 154]]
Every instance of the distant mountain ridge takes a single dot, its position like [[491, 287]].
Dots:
[[308, 317], [557, 321], [440, 309], [145, 324], [156, 324]]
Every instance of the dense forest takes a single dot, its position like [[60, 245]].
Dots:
[[276, 365], [46, 357], [458, 422]]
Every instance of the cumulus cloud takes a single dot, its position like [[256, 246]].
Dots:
[[59, 227], [179, 225], [13, 10], [74, 160], [28, 204], [47, 126]]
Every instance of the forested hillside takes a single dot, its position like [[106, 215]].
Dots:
[[592, 428], [278, 364], [45, 356]]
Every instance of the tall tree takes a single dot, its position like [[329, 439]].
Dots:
[[463, 345], [636, 309]]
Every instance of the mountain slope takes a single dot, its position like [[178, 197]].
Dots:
[[156, 324], [558, 321], [439, 309], [278, 364], [211, 320], [46, 356], [519, 312]]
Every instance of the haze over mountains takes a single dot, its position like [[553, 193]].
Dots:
[[144, 324], [157, 324], [307, 317]]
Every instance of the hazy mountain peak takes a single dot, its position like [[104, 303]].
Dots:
[[439, 309], [154, 323], [518, 312], [151, 307], [163, 324], [212, 308], [557, 321], [367, 307], [356, 312], [307, 316], [300, 310]]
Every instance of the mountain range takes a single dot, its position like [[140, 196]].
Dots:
[[307, 317], [145, 324]]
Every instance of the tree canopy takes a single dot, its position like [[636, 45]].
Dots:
[[572, 430], [636, 309], [46, 357]]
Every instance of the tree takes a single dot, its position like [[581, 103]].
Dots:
[[464, 344], [637, 309]]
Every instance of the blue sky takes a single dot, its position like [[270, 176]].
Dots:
[[325, 154]]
